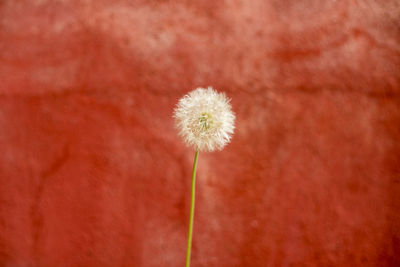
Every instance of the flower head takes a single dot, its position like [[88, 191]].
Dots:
[[205, 119]]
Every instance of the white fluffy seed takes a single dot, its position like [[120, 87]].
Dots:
[[204, 119]]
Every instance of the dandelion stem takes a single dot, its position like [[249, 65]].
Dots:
[[189, 243]]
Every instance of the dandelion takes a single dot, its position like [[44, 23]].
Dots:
[[206, 122]]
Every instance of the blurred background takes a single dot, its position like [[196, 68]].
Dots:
[[93, 173]]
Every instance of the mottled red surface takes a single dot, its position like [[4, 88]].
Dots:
[[92, 172]]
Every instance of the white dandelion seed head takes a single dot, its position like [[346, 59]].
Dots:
[[204, 119]]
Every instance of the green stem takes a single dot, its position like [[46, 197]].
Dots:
[[189, 243]]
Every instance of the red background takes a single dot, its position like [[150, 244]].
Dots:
[[92, 172]]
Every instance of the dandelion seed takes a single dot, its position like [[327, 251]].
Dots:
[[205, 119]]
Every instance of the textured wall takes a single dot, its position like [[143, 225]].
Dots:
[[92, 172]]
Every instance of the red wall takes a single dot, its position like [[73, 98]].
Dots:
[[92, 172]]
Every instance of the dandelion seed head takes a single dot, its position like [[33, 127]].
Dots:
[[204, 119]]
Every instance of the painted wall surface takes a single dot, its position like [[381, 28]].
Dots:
[[92, 172]]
